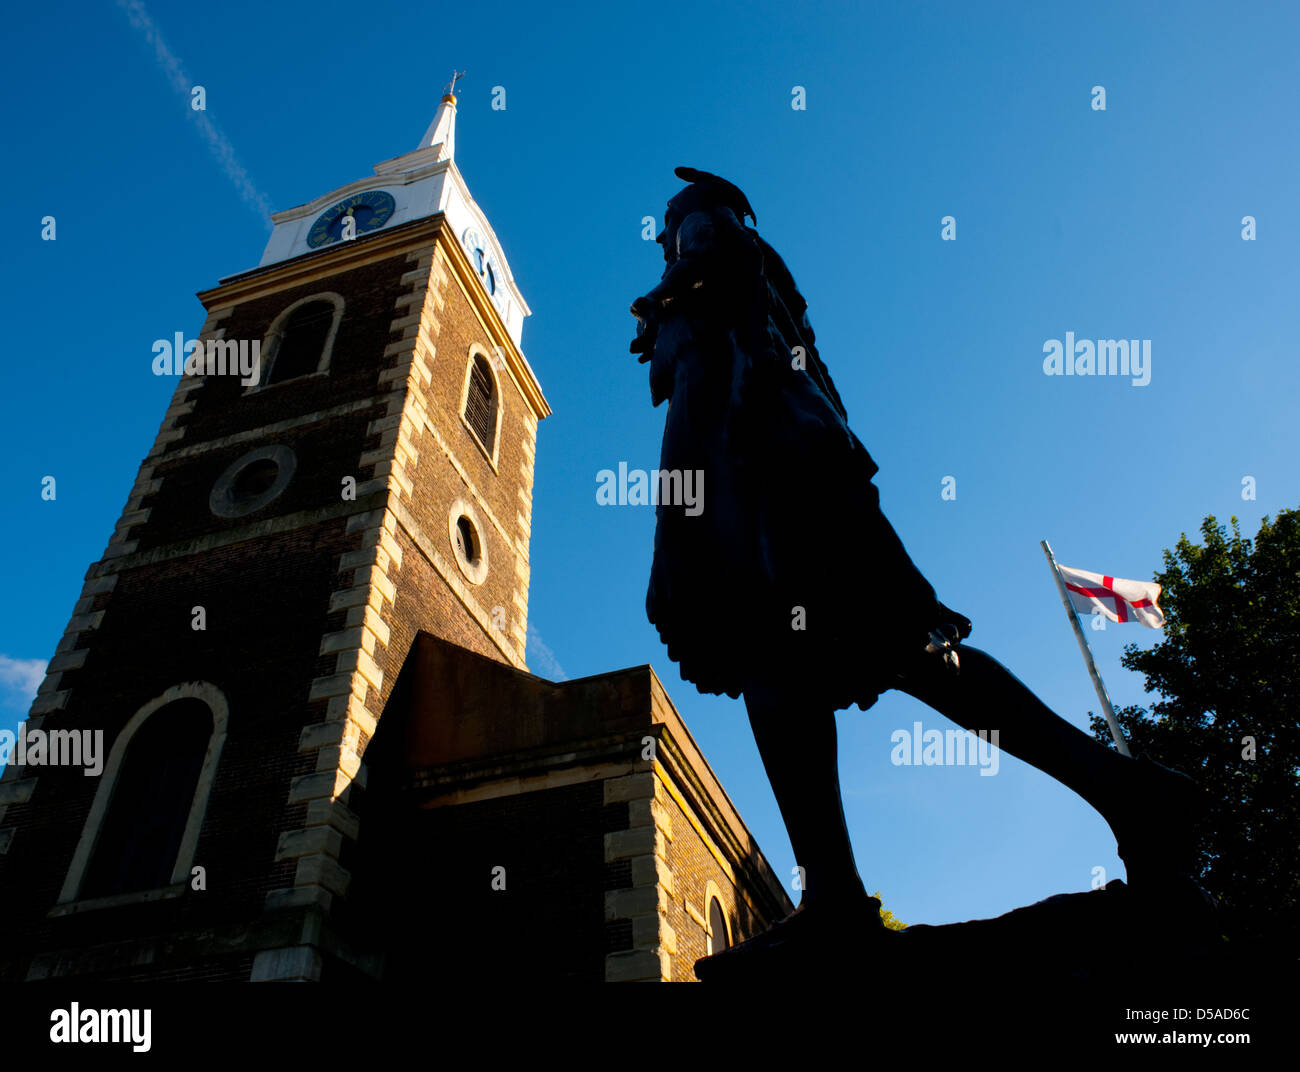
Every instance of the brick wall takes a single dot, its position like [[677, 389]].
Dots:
[[547, 925], [698, 875], [451, 466]]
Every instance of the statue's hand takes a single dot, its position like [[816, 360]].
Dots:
[[647, 328], [643, 308]]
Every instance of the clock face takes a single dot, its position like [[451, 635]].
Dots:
[[370, 210], [487, 266]]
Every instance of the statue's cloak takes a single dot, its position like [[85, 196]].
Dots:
[[784, 573]]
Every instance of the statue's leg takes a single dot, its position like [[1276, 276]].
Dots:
[[835, 915], [799, 752], [1146, 806], [985, 695]]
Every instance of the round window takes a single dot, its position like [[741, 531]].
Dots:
[[465, 533], [466, 539], [252, 481]]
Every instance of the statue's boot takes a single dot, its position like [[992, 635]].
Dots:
[[1156, 834], [804, 939], [957, 626]]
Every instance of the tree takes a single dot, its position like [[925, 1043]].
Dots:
[[1228, 677], [888, 918]]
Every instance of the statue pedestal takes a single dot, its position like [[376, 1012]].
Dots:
[[1107, 939]]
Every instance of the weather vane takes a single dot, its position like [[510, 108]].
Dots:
[[451, 86]]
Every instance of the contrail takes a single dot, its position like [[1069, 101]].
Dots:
[[544, 657], [218, 143]]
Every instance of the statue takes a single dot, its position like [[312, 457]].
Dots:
[[790, 588]]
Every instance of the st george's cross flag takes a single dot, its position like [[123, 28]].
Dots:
[[1117, 599]]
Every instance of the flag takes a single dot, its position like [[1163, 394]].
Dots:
[[1118, 599]]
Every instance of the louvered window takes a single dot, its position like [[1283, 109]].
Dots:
[[481, 403]]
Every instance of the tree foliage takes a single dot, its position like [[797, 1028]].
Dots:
[[1228, 679], [887, 917]]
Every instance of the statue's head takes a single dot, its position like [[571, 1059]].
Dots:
[[705, 192]]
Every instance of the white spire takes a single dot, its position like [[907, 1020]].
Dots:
[[442, 131]]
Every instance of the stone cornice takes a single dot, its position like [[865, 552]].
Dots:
[[378, 246]]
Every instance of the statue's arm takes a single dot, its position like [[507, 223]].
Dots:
[[707, 242], [697, 254]]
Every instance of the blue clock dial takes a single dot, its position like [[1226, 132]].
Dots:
[[370, 210], [483, 266], [484, 261]]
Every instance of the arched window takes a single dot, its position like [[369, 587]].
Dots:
[[144, 823], [141, 834], [481, 402], [302, 342], [718, 940]]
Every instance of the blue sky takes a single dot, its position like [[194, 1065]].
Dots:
[[1117, 223]]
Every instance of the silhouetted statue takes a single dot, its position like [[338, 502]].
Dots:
[[790, 587]]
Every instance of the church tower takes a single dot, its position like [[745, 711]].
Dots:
[[289, 534]]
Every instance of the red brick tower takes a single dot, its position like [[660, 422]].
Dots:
[[284, 542]]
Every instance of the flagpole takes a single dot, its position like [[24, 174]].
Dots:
[[1082, 638]]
